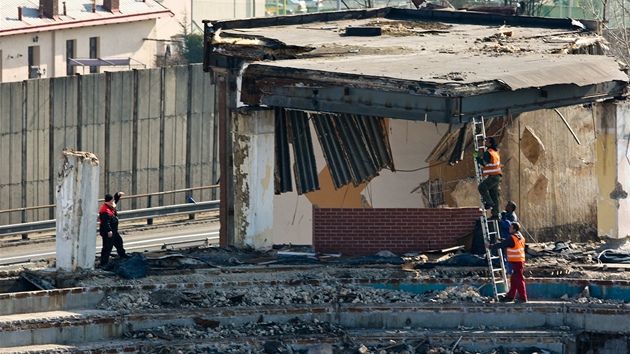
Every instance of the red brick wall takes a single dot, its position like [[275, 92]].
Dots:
[[399, 230]]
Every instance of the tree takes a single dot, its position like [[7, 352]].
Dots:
[[190, 48], [614, 15], [187, 48]]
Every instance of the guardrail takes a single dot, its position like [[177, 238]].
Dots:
[[125, 215], [45, 224]]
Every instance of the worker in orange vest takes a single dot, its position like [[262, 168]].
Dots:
[[516, 256], [491, 171]]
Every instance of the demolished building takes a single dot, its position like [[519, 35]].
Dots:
[[374, 106], [388, 94]]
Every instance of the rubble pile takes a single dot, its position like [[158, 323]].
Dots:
[[271, 334], [455, 294], [283, 295]]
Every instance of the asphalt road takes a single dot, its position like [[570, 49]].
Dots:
[[146, 239]]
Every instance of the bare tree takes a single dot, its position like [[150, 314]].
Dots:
[[614, 15]]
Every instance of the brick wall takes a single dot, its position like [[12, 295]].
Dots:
[[367, 231]]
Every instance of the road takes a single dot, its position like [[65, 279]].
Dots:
[[134, 241]]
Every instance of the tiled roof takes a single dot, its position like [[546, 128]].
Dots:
[[78, 13]]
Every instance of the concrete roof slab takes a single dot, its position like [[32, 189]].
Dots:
[[420, 68]]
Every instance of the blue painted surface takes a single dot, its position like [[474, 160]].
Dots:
[[535, 290]]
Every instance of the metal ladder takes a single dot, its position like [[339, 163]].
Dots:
[[497, 274]]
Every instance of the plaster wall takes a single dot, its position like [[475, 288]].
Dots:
[[253, 177], [623, 168], [77, 203], [52, 49], [411, 142], [227, 9], [556, 192], [607, 172], [556, 188], [167, 27]]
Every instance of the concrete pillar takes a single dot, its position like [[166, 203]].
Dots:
[[613, 170], [253, 156], [77, 210]]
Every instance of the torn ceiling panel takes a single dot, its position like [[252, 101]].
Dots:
[[305, 167], [282, 169], [332, 150], [453, 145], [356, 148]]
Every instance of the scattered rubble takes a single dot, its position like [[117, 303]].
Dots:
[[275, 331]]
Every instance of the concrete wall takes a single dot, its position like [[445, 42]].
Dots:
[[555, 190], [411, 143], [551, 176], [613, 171], [152, 130], [399, 230], [52, 49]]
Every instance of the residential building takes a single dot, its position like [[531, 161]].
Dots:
[[52, 38]]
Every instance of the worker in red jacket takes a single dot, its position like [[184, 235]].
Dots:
[[108, 230], [515, 245]]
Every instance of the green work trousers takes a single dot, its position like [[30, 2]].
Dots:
[[490, 191]]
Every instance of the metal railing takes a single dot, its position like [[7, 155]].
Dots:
[[148, 213], [129, 215]]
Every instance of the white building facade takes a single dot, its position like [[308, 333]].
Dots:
[[53, 38]]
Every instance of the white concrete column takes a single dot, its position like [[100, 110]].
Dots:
[[613, 170], [253, 154], [77, 210]]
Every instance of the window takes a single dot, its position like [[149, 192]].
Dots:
[[94, 41], [70, 54], [34, 70]]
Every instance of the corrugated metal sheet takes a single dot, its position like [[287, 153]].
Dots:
[[332, 149], [305, 167], [375, 131], [282, 171], [355, 147]]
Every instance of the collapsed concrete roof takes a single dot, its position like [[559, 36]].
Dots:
[[439, 66]]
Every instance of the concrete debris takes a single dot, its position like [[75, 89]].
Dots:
[[274, 331], [283, 295]]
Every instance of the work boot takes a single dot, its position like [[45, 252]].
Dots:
[[505, 298], [520, 301], [488, 206]]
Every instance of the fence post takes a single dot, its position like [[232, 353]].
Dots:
[[149, 221]]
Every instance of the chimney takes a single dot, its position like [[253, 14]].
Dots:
[[65, 13], [19, 13], [50, 8], [112, 5]]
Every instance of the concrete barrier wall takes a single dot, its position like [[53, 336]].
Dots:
[[153, 130]]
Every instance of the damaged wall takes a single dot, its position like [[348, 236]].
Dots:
[[253, 177], [410, 141], [549, 174], [613, 147]]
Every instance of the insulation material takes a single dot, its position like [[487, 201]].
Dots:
[[466, 193], [531, 146]]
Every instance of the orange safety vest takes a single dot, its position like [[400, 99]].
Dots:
[[516, 253], [493, 167]]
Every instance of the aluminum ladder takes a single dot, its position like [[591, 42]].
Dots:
[[489, 228]]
